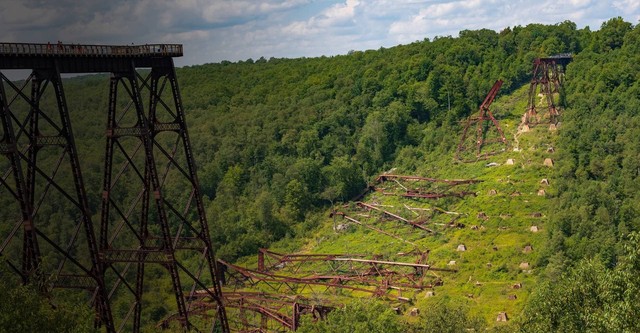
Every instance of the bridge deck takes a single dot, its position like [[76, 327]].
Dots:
[[77, 58]]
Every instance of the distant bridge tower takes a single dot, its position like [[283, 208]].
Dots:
[[489, 138], [546, 81], [147, 147]]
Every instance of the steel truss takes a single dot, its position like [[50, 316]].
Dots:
[[545, 80], [262, 312], [484, 123], [439, 188], [42, 167], [382, 278], [158, 225], [378, 230], [147, 147], [417, 225]]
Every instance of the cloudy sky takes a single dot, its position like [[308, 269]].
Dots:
[[216, 30]]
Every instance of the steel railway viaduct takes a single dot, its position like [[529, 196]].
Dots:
[[105, 253]]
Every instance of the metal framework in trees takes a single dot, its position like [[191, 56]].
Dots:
[[546, 81], [322, 272], [147, 146], [485, 126], [261, 312]]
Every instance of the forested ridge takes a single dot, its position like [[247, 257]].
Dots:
[[290, 136], [281, 142]]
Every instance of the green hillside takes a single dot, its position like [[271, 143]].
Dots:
[[494, 225], [282, 143]]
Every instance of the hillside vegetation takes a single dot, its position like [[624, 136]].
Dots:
[[281, 143]]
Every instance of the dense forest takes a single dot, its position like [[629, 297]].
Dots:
[[292, 136], [280, 142]]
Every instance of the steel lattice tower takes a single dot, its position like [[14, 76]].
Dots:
[[159, 229], [546, 80], [487, 132], [38, 142]]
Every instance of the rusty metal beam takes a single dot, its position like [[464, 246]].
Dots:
[[395, 216], [156, 148], [424, 193], [41, 150], [271, 312], [363, 282], [282, 259], [546, 79], [147, 143], [484, 121], [385, 177], [351, 219]]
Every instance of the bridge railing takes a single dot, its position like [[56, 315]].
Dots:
[[60, 49]]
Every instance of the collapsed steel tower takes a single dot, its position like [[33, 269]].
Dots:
[[487, 133]]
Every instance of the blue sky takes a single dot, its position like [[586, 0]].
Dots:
[[216, 30]]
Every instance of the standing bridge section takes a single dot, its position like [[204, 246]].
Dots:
[[53, 234]]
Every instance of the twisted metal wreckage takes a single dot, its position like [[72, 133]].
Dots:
[[315, 273], [147, 144]]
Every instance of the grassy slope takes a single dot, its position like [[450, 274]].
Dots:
[[507, 227]]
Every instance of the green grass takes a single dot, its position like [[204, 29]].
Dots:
[[498, 240]]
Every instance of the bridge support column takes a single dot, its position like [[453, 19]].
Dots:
[[545, 81], [149, 147], [46, 229], [39, 136]]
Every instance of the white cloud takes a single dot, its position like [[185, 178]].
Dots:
[[340, 13], [215, 30], [450, 17], [336, 15]]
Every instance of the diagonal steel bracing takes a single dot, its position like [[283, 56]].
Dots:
[[151, 210], [43, 248], [545, 80], [489, 138], [153, 146]]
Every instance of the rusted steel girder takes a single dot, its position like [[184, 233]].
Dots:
[[413, 194], [259, 311], [284, 310], [359, 273], [395, 216], [145, 148], [484, 121], [270, 260], [452, 182], [43, 163], [435, 193], [545, 80], [351, 219], [243, 277], [283, 259]]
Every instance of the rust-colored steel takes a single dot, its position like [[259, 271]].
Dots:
[[261, 312], [353, 220], [153, 146], [452, 182], [358, 273], [279, 260], [545, 80], [239, 277], [44, 164], [395, 216], [443, 191], [483, 122], [147, 144], [356, 263], [283, 259]]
